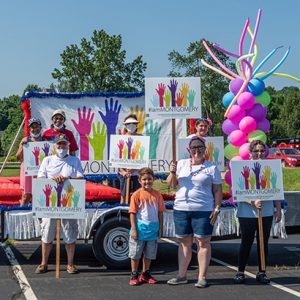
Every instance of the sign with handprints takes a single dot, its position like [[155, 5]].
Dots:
[[173, 97], [34, 153], [52, 200], [214, 150], [257, 179], [129, 151]]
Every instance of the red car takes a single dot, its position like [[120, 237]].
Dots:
[[289, 157]]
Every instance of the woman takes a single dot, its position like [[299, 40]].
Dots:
[[201, 127], [130, 123], [35, 135], [247, 215], [58, 127], [196, 208]]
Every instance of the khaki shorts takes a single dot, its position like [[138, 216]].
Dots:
[[68, 230]]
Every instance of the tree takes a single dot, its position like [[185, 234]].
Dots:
[[213, 85], [99, 65]]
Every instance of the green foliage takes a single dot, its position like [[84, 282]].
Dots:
[[213, 85], [99, 65]]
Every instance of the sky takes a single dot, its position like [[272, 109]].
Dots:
[[33, 33]]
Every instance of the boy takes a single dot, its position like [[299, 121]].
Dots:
[[146, 218]]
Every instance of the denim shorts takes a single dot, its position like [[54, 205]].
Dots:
[[192, 223], [137, 248]]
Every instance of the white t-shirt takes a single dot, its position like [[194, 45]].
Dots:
[[194, 190], [53, 166]]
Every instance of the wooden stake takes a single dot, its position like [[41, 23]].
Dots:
[[57, 272], [261, 241], [127, 189], [174, 140]]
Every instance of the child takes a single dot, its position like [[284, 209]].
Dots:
[[146, 218]]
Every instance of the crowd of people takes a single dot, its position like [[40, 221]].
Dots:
[[197, 204]]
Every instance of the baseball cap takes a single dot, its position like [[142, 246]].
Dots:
[[34, 120], [59, 112], [61, 138]]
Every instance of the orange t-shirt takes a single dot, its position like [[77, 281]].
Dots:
[[146, 205]]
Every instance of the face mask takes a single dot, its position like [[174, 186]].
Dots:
[[35, 135], [131, 128], [61, 153], [58, 127]]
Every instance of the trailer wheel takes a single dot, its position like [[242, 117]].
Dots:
[[111, 243]]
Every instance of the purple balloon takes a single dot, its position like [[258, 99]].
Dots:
[[247, 124], [235, 85], [258, 112], [246, 100], [228, 126], [236, 113], [237, 138], [263, 125]]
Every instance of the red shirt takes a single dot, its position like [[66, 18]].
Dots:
[[50, 133]]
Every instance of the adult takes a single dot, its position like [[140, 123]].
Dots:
[[201, 127], [59, 167], [58, 127], [247, 214], [35, 135], [130, 123], [196, 208]]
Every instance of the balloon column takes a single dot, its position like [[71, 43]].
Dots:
[[247, 100]]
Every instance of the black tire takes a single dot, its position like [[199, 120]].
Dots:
[[111, 243]]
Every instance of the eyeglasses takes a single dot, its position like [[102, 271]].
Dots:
[[197, 148], [58, 118], [259, 151]]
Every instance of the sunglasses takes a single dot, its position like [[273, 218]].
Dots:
[[259, 151]]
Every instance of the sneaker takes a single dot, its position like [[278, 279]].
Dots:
[[41, 269], [239, 278], [262, 278], [177, 280], [134, 279], [72, 269], [201, 283], [146, 277]]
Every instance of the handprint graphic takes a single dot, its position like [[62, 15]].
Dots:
[[246, 174], [141, 116], [98, 140], [161, 91], [36, 153]]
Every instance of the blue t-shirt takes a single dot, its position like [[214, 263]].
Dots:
[[246, 210]]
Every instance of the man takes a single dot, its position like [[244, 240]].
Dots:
[[60, 167]]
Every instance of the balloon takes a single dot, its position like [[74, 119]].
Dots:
[[235, 85], [257, 135], [246, 100], [231, 151], [236, 113], [237, 138], [227, 177], [237, 157], [227, 98], [264, 98], [256, 86], [247, 124], [258, 112], [244, 151], [228, 126], [263, 125], [267, 151]]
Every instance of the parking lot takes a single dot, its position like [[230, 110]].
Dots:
[[95, 281]]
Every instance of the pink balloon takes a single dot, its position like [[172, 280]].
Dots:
[[228, 126], [236, 113], [263, 125], [246, 100], [244, 151], [258, 112], [234, 158], [247, 124], [227, 177], [237, 138]]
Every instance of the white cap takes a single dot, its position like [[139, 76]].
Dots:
[[59, 112], [131, 121]]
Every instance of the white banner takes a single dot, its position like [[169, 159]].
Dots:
[[93, 119], [34, 153], [173, 97], [52, 200], [214, 150], [257, 179], [129, 151]]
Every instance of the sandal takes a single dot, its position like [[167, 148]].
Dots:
[[41, 269], [239, 278], [72, 269]]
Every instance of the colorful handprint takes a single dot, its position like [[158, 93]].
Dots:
[[153, 132], [36, 153], [120, 146], [167, 98], [75, 198], [58, 189], [98, 140], [256, 171], [184, 91], [246, 174], [141, 116], [191, 97], [129, 145], [172, 87], [53, 199], [64, 199], [267, 173], [161, 91], [47, 192], [46, 149]]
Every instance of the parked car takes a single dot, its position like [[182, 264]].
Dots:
[[287, 143], [289, 157]]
